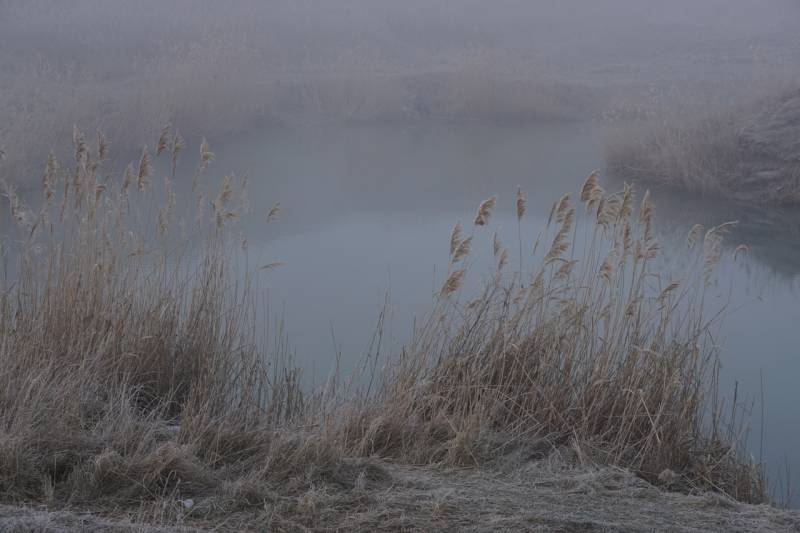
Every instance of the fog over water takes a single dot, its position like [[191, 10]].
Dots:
[[368, 212], [380, 124]]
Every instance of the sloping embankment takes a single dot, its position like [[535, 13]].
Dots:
[[770, 170]]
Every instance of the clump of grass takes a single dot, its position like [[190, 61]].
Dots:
[[129, 368], [130, 374], [593, 349]]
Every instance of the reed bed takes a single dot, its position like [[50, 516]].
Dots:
[[739, 150], [132, 376], [594, 349]]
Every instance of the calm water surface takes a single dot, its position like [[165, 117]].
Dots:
[[367, 211]]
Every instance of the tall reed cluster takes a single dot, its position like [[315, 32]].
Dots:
[[130, 371], [594, 350], [129, 368]]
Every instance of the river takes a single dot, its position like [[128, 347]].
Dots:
[[365, 220]]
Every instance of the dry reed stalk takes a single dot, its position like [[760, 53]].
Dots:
[[102, 146]]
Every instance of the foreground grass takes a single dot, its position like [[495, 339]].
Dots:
[[131, 379]]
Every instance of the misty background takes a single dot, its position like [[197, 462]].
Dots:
[[378, 124], [217, 68]]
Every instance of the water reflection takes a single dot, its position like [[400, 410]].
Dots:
[[772, 234]]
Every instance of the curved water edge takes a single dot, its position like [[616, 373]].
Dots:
[[367, 211]]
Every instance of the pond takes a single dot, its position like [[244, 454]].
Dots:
[[366, 215]]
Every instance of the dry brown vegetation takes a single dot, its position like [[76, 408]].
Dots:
[[132, 379], [743, 151]]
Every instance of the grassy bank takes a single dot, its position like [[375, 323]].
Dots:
[[134, 379], [743, 152]]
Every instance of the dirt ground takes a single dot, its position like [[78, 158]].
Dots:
[[372, 495]]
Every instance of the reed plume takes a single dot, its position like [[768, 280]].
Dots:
[[462, 250], [485, 211], [455, 238], [206, 155], [520, 203], [741, 249], [127, 178], [712, 248], [694, 235], [49, 177], [591, 191], [144, 169], [452, 283], [163, 139]]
